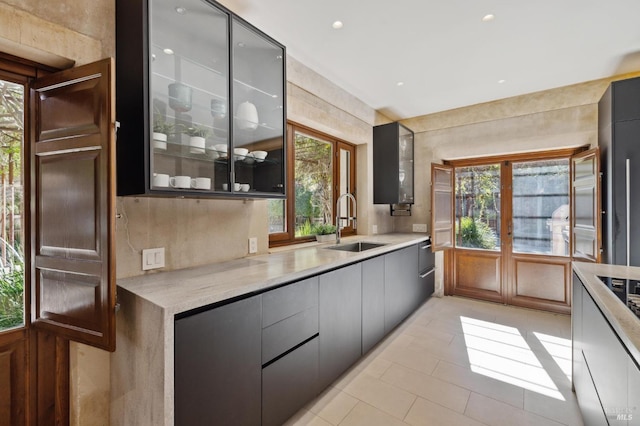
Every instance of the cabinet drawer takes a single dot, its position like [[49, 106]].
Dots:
[[289, 383], [284, 335], [427, 283], [426, 258], [289, 300]]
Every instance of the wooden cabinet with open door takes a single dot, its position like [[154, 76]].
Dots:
[[513, 224]]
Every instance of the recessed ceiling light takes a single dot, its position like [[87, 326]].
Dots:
[[168, 51], [337, 25], [488, 17], [240, 44], [400, 83], [274, 96], [502, 81], [181, 10]]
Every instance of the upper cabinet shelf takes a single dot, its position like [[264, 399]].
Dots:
[[194, 83]]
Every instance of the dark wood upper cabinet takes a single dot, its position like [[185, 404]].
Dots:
[[201, 94], [73, 204], [392, 164]]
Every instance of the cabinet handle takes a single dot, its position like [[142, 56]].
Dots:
[[429, 272], [425, 247]]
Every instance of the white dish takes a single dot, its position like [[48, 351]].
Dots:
[[240, 153], [259, 155]]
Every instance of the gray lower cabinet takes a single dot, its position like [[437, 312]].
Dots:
[[340, 322], [218, 365], [372, 302], [605, 377], [401, 291], [260, 359]]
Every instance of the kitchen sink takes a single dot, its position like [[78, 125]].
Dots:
[[356, 247]]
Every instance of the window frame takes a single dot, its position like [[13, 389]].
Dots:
[[288, 237]]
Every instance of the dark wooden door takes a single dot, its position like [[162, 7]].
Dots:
[[73, 204]]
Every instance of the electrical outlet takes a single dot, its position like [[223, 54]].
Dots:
[[419, 227], [152, 258], [374, 229], [253, 245]]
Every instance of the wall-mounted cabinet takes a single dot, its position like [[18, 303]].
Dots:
[[392, 164], [200, 99]]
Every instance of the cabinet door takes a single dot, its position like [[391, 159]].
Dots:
[[258, 109], [392, 164], [400, 285], [605, 356], [340, 321], [626, 146], [217, 366], [626, 95], [372, 302], [188, 96]]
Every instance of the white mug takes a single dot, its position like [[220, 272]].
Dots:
[[180, 182], [197, 144], [225, 186], [160, 180], [236, 187], [245, 187], [201, 183]]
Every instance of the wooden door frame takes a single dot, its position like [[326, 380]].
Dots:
[[507, 268], [45, 358]]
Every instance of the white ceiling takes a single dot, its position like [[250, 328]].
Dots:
[[444, 53]]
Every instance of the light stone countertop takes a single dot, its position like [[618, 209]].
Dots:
[[622, 320], [185, 289]]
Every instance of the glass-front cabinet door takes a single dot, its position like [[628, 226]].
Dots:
[[405, 165], [258, 111], [189, 89], [201, 102]]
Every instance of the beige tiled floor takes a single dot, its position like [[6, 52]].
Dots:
[[458, 362]]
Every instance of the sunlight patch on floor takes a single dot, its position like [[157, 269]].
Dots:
[[559, 349], [502, 353]]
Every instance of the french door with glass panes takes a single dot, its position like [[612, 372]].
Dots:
[[514, 227]]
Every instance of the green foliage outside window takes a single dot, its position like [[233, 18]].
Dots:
[[11, 297], [475, 234]]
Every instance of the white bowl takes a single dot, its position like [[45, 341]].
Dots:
[[244, 187], [259, 155], [221, 149], [240, 153]]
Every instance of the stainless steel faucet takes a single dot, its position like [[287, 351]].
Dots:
[[338, 217]]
